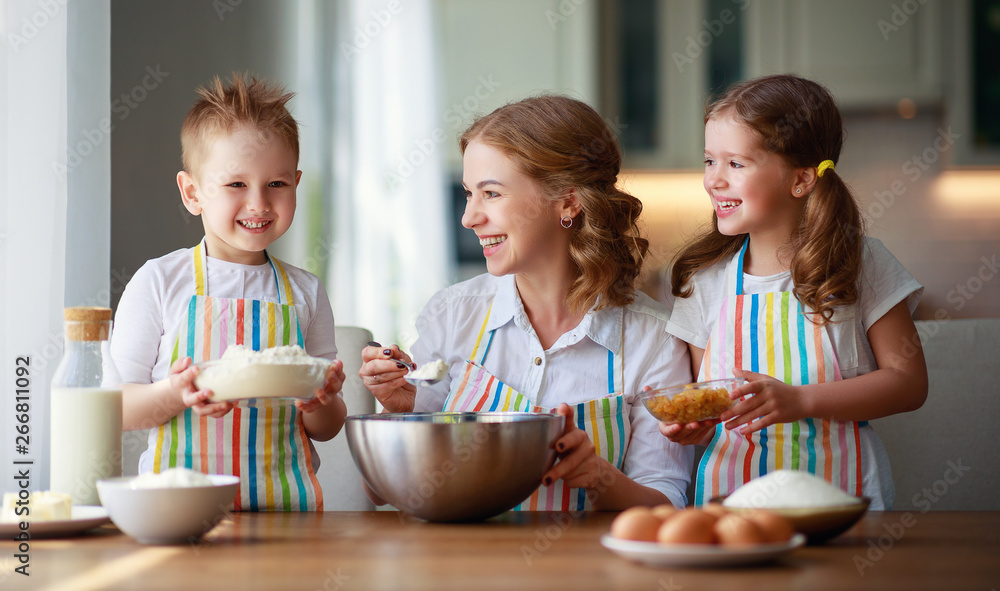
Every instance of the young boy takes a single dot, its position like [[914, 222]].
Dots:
[[240, 154]]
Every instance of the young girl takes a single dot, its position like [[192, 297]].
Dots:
[[786, 291]]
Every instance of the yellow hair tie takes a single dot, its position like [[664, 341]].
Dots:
[[823, 166]]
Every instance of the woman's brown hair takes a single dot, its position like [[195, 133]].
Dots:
[[798, 120], [563, 144]]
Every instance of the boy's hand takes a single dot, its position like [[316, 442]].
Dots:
[[773, 402], [334, 383], [182, 374]]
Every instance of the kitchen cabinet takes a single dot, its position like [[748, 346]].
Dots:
[[872, 53], [494, 52]]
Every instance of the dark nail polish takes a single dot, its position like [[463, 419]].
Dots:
[[374, 344], [560, 447], [400, 365], [547, 481], [387, 352]]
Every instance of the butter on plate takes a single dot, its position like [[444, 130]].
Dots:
[[42, 506]]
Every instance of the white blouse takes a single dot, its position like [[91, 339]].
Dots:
[[573, 370]]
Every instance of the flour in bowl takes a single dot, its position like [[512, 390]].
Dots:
[[171, 478], [788, 489], [276, 372], [241, 356]]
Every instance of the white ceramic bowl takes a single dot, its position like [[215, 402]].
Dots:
[[167, 515], [262, 380]]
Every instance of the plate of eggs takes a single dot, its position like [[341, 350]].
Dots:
[[707, 537]]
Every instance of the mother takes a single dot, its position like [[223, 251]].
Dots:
[[557, 321]]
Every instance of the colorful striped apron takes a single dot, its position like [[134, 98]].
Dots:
[[263, 440], [605, 420], [771, 334]]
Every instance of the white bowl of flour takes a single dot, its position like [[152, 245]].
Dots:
[[278, 372]]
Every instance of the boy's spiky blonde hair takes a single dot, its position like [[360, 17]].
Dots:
[[243, 103]]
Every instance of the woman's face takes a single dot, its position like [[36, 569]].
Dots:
[[518, 227]]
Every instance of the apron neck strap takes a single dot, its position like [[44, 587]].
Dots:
[[277, 268], [737, 269], [479, 338]]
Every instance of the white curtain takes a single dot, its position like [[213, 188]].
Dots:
[[54, 166], [391, 222]]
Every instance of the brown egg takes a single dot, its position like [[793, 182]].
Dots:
[[665, 512], [715, 509], [776, 529], [636, 523], [690, 526], [735, 530]]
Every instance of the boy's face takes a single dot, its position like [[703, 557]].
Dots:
[[244, 192]]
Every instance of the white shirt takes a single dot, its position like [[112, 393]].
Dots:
[[572, 370], [155, 302], [884, 283]]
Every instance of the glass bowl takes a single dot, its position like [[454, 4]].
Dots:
[[688, 403]]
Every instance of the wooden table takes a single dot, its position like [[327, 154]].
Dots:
[[381, 550]]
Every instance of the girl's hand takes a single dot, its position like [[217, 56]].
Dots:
[[696, 433], [383, 376], [182, 374], [773, 402], [334, 383], [578, 465]]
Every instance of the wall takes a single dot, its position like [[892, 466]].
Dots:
[[160, 52]]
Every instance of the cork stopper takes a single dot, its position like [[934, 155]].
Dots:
[[87, 323]]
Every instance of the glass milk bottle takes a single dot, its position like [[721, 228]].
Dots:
[[86, 404]]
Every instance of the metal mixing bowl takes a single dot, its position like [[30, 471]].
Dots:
[[454, 466]]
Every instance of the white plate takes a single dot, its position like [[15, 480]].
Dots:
[[655, 554], [84, 517]]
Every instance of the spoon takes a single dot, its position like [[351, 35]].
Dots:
[[416, 381]]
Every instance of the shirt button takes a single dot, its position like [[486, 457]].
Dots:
[[538, 360]]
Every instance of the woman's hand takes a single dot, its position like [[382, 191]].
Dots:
[[696, 433], [324, 396], [383, 376], [182, 374], [773, 402], [578, 465]]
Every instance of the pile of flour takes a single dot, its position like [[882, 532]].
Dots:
[[171, 478], [788, 489], [432, 370]]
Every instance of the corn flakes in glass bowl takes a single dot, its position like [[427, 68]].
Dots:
[[688, 403]]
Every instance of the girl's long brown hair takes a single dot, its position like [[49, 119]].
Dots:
[[798, 120], [563, 144]]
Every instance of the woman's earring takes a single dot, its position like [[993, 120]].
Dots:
[[798, 190], [566, 221]]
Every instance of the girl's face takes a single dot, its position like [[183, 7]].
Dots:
[[245, 194], [517, 226], [751, 189]]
